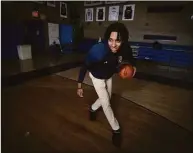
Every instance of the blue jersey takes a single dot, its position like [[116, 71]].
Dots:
[[103, 63], [97, 53]]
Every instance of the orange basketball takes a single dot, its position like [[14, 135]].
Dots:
[[126, 72]]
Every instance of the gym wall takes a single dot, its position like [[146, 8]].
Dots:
[[14, 17], [173, 23], [22, 10]]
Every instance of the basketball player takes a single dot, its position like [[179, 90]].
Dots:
[[103, 60]]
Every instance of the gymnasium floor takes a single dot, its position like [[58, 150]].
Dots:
[[44, 114]]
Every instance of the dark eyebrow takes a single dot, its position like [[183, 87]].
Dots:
[[115, 39]]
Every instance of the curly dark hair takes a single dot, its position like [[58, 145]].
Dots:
[[123, 33]]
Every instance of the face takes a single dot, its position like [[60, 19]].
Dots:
[[113, 42]]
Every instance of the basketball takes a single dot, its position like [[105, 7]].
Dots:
[[126, 72]]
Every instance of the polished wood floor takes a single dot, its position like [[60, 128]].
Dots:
[[45, 115]]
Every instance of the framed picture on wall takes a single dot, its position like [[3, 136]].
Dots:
[[51, 3], [92, 3], [63, 9], [128, 12], [100, 14], [89, 14], [113, 13]]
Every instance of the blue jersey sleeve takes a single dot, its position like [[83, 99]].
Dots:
[[93, 59]]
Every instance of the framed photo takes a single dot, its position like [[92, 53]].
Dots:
[[92, 3], [89, 14], [51, 3], [128, 12], [113, 13], [63, 9], [100, 14]]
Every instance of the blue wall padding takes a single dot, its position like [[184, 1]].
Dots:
[[66, 34]]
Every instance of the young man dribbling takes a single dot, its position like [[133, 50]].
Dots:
[[103, 61]]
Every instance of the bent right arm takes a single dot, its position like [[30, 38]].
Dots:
[[85, 67], [93, 61], [81, 77], [82, 74]]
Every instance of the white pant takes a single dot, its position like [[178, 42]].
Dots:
[[103, 89]]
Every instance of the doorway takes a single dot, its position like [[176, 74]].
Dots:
[[35, 36]]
